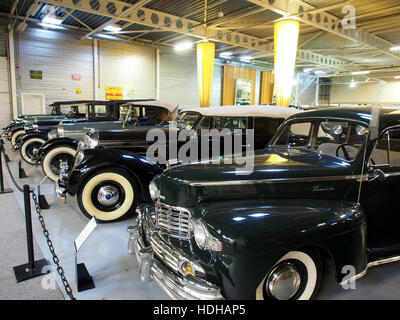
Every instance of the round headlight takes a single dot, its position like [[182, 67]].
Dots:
[[154, 193], [200, 234], [78, 159]]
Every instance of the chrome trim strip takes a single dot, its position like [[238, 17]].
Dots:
[[277, 180], [370, 265], [383, 261]]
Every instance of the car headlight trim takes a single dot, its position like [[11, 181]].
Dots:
[[78, 159], [60, 131], [52, 134], [203, 238], [154, 192]]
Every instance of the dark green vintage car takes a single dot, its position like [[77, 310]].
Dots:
[[326, 186]]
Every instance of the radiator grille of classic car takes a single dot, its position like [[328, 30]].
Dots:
[[165, 253], [172, 220]]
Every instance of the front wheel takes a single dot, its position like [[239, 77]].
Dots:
[[52, 159], [28, 147], [15, 136], [108, 195], [296, 276]]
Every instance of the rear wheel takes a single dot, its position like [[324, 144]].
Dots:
[[109, 195], [296, 276], [15, 136], [28, 147], [52, 159]]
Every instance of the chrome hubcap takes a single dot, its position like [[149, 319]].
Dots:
[[283, 282], [108, 195]]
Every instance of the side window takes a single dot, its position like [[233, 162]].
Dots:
[[205, 123], [394, 141], [295, 134], [232, 123], [266, 126], [379, 156]]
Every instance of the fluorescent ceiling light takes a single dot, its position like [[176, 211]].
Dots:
[[51, 26], [246, 58], [226, 54], [396, 48], [51, 19], [113, 28], [319, 72], [396, 77], [183, 45], [360, 72], [352, 84], [308, 69]]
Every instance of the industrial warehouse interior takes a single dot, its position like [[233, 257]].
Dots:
[[199, 150]]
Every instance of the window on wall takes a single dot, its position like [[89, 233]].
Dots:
[[324, 90]]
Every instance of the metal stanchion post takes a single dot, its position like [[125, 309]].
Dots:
[[33, 268]]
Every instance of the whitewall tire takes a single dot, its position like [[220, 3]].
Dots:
[[50, 161], [295, 276], [15, 137], [108, 195], [27, 147]]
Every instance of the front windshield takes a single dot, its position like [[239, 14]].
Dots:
[[187, 120], [342, 139]]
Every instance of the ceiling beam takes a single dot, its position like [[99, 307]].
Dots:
[[161, 20], [325, 21], [113, 20]]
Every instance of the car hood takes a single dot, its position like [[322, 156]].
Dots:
[[275, 174]]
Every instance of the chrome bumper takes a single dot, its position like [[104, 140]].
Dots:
[[175, 285]]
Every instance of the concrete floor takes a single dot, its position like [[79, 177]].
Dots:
[[104, 253]]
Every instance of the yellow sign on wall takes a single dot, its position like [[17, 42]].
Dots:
[[113, 93], [78, 91]]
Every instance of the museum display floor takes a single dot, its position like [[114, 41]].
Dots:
[[114, 271]]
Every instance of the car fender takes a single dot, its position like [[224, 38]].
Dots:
[[32, 134], [97, 159], [257, 233], [53, 143]]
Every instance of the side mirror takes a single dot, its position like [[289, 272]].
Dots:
[[377, 174]]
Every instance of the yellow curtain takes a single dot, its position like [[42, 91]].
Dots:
[[205, 69], [267, 87], [231, 73], [286, 36]]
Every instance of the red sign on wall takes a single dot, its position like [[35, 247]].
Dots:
[[76, 77]]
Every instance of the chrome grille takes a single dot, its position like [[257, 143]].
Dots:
[[165, 253], [173, 220]]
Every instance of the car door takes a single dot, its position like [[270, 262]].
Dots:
[[379, 197]]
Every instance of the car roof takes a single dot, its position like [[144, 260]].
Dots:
[[246, 111], [388, 116], [156, 103]]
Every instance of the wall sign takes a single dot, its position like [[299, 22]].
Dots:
[[113, 93], [76, 77], [36, 74], [78, 91]]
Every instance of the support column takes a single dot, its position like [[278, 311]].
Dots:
[[317, 92], [157, 74], [95, 46], [286, 36], [205, 70], [11, 69]]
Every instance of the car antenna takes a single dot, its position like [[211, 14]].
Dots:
[[372, 135]]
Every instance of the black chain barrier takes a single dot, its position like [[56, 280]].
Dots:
[[46, 233]]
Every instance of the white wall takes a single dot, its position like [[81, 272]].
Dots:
[[129, 66], [5, 107], [58, 55], [178, 80], [363, 93]]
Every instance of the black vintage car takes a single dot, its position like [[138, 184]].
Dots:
[[326, 186], [111, 172], [117, 115], [60, 110]]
